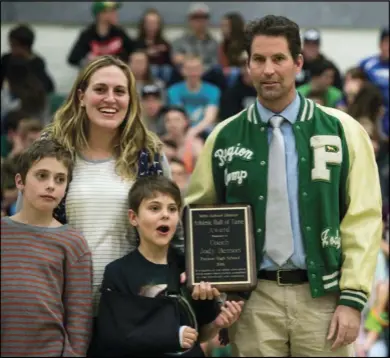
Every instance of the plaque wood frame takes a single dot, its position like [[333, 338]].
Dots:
[[249, 244]]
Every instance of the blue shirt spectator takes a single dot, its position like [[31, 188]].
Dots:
[[377, 70], [194, 102]]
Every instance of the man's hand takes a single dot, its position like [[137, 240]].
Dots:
[[188, 337], [346, 322], [230, 312], [204, 291]]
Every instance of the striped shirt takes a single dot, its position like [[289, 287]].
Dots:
[[45, 291], [96, 204]]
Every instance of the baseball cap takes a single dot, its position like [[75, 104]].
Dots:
[[151, 90], [384, 33], [99, 6], [312, 35], [198, 8]]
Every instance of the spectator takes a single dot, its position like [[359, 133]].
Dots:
[[367, 103], [176, 125], [322, 74], [29, 130], [179, 174], [21, 40], [140, 66], [21, 83], [377, 320], [240, 95], [151, 38], [318, 96], [198, 42], [102, 37], [231, 49], [9, 192], [11, 141], [152, 105], [353, 82], [199, 99], [8, 104], [377, 70], [169, 148], [381, 149], [312, 55]]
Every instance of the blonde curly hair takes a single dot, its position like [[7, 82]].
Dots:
[[70, 124]]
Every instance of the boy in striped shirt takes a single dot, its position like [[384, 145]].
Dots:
[[46, 267]]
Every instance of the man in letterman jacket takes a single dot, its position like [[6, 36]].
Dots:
[[319, 201]]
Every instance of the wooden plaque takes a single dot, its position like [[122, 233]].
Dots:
[[220, 246]]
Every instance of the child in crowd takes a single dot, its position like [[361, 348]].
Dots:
[[46, 280], [144, 309], [9, 191], [179, 174], [177, 125]]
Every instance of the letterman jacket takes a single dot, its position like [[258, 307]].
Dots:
[[339, 192]]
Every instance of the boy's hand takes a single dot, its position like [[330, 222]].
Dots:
[[188, 336], [204, 291], [231, 311], [183, 277]]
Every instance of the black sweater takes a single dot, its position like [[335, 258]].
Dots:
[[133, 321], [116, 43]]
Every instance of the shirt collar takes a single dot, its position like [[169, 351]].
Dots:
[[290, 113]]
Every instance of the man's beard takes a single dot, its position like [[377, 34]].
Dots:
[[271, 94]]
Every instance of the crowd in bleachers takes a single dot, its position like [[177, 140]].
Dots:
[[185, 88]]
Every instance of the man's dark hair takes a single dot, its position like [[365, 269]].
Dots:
[[44, 148], [319, 67], [148, 187], [272, 25], [23, 35]]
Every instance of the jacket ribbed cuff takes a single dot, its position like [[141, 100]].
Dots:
[[353, 298]]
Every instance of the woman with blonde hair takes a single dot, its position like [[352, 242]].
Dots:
[[100, 123]]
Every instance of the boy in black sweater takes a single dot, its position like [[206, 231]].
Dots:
[[144, 309]]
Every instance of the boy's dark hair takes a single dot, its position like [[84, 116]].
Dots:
[[13, 118], [319, 67], [44, 148], [23, 35], [8, 172], [30, 125], [320, 94], [272, 25], [147, 187]]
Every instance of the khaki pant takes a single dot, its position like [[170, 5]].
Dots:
[[285, 321]]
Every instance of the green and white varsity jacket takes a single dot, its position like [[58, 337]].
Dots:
[[339, 192]]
